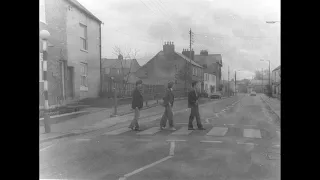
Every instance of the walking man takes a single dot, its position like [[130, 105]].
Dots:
[[137, 104], [168, 103], [193, 104]]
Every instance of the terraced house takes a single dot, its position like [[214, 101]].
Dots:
[[74, 51]]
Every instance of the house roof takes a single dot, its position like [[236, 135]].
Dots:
[[118, 64], [108, 62], [209, 59], [277, 68], [187, 59], [83, 9]]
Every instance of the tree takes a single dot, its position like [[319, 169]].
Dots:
[[127, 54]]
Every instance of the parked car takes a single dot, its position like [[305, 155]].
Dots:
[[253, 93], [216, 95], [204, 94]]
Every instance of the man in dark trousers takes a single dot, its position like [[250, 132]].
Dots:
[[168, 100], [193, 104], [137, 104]]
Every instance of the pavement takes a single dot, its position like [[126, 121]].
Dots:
[[100, 119], [241, 141], [273, 103]]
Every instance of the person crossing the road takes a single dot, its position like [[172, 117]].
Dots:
[[193, 98], [168, 103], [137, 104]]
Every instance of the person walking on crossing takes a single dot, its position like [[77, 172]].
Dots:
[[193, 98], [137, 104], [168, 100]]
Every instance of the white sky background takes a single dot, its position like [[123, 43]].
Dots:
[[226, 27]]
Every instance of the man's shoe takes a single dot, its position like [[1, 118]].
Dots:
[[191, 128], [162, 127], [137, 129], [172, 129], [201, 128]]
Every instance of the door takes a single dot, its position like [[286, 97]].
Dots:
[[70, 89]]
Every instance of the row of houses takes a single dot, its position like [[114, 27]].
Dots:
[[167, 65], [77, 71]]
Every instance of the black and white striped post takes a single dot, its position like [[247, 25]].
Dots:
[[44, 35]]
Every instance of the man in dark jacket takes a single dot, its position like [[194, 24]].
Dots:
[[168, 100], [193, 104], [137, 104]]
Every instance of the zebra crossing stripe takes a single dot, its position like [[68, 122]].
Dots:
[[149, 131], [251, 133], [118, 131], [217, 131], [182, 131]]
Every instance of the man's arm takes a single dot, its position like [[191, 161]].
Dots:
[[166, 98]]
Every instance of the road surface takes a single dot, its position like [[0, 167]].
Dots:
[[241, 141]]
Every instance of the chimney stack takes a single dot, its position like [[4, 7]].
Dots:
[[186, 52], [168, 48]]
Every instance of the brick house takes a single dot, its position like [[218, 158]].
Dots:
[[74, 51], [121, 70], [276, 82], [210, 83], [212, 64], [169, 65]]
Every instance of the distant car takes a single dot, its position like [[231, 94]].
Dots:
[[253, 93], [204, 94], [216, 95]]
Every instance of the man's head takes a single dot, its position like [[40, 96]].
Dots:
[[194, 85], [170, 85], [139, 83]]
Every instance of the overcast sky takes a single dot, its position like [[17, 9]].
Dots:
[[234, 28]]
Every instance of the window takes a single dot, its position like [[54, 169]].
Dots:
[[194, 71], [84, 74], [106, 70], [42, 14], [206, 87], [83, 37], [40, 67], [118, 71]]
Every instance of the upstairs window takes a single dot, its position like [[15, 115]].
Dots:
[[84, 74], [83, 37]]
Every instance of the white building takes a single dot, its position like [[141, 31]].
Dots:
[[210, 83]]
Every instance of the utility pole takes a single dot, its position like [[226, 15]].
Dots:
[[235, 82], [262, 81], [187, 64], [228, 84], [269, 81]]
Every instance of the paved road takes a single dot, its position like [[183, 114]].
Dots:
[[241, 142]]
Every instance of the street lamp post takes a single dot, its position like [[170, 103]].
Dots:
[[115, 98], [44, 35]]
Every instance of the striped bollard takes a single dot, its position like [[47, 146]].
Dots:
[[47, 128]]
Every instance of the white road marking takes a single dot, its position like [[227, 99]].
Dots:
[[172, 146], [144, 140], [83, 139], [251, 133], [182, 140], [149, 131], [217, 131], [46, 147], [144, 168], [276, 146], [211, 141], [182, 131], [252, 144], [118, 131], [228, 124]]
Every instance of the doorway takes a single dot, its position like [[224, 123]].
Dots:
[[70, 87]]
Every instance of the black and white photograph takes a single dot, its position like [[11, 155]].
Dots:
[[159, 89]]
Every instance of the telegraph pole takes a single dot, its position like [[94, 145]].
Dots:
[[262, 82], [228, 84], [190, 56], [235, 82]]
